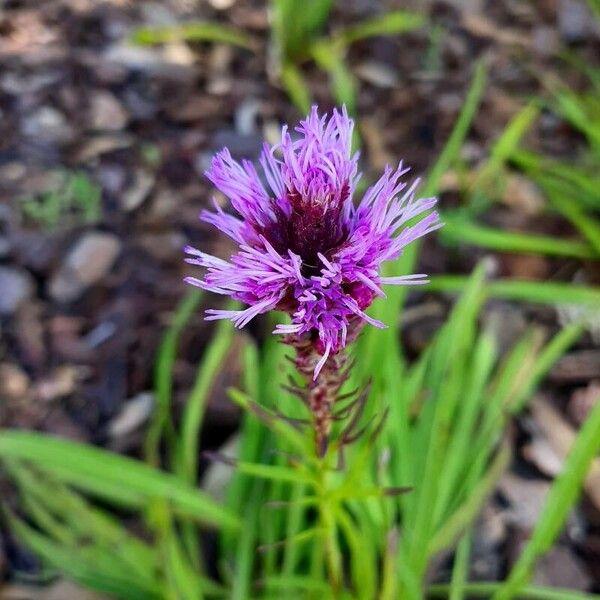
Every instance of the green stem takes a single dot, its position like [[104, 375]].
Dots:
[[326, 514]]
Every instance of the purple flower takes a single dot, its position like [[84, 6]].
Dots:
[[305, 247]]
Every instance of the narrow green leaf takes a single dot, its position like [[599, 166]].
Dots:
[[461, 230], [276, 424], [275, 472], [390, 23], [296, 87], [298, 582], [543, 292], [83, 566], [532, 592], [469, 510], [459, 132], [295, 25], [68, 518], [508, 141], [211, 364], [117, 478], [562, 496], [196, 31], [163, 377], [460, 569], [331, 58], [588, 226]]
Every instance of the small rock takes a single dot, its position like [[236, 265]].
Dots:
[[525, 266], [48, 125], [107, 73], [521, 193], [112, 178], [217, 476], [377, 74], [37, 250], [194, 107], [133, 414], [484, 27], [370, 129], [560, 567], [472, 152], [219, 59], [488, 536], [179, 53], [16, 286], [546, 41], [103, 144], [450, 103], [271, 131], [163, 246], [101, 333], [138, 191], [507, 323], [29, 336], [580, 365], [14, 383], [222, 4], [220, 85], [5, 246], [574, 20], [149, 60], [527, 498], [88, 261], [542, 454], [163, 204], [245, 116], [589, 314], [583, 401], [12, 171], [157, 15], [21, 85], [66, 341], [240, 145], [562, 435], [61, 382], [106, 112], [139, 104]]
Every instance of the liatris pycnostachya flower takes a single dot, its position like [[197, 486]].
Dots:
[[307, 249]]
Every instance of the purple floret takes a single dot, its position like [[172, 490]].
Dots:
[[304, 247]]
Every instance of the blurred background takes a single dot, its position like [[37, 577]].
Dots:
[[109, 113]]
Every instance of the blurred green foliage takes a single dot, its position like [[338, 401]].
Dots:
[[323, 532], [298, 36], [76, 200], [290, 522]]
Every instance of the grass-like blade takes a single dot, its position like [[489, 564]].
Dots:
[[196, 31], [532, 592], [562, 496], [543, 292], [163, 378], [116, 478], [460, 569], [459, 132], [82, 565], [398, 21], [460, 230], [330, 57], [296, 86], [295, 26], [210, 365]]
